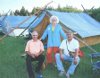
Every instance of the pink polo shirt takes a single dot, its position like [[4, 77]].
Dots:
[[34, 47]]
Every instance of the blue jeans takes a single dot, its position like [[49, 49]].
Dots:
[[66, 58]]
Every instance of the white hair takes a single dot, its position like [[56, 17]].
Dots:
[[54, 17]]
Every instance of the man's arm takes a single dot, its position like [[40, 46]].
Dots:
[[76, 52]]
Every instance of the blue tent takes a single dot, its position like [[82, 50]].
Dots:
[[11, 22], [15, 20], [81, 23], [0, 23]]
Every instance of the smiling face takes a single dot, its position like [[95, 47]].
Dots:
[[35, 35]]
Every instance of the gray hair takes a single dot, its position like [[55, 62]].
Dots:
[[71, 32], [54, 17]]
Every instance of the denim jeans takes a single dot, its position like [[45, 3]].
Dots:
[[66, 58]]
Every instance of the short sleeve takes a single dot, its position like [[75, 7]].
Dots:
[[27, 47], [41, 46], [62, 44], [76, 45]]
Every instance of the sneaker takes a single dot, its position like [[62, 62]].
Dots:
[[39, 75], [67, 75], [61, 73]]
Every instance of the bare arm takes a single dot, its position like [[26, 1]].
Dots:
[[76, 53], [75, 56]]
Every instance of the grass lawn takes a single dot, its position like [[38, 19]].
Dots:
[[12, 65]]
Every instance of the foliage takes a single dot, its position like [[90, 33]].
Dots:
[[67, 9], [95, 13], [22, 12]]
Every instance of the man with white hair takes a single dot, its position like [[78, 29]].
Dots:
[[34, 50], [54, 32], [69, 49]]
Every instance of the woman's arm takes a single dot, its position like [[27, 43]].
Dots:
[[62, 33]]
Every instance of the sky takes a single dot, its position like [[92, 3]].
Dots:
[[5, 5]]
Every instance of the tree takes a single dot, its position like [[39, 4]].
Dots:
[[67, 9], [27, 13], [34, 10], [11, 13], [16, 12], [95, 13], [23, 11], [50, 8], [59, 8]]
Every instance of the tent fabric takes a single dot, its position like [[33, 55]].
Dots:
[[15, 20], [81, 23], [11, 22], [0, 23]]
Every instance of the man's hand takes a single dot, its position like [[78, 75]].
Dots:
[[37, 54]]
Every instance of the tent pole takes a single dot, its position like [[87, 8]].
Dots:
[[23, 22], [5, 16], [35, 18]]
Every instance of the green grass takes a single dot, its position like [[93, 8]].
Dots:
[[12, 65]]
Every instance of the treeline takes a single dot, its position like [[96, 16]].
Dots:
[[25, 12], [95, 13]]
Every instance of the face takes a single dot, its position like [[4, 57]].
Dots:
[[54, 21], [70, 36], [35, 36]]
